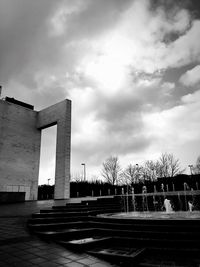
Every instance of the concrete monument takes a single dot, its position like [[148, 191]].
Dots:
[[20, 140]]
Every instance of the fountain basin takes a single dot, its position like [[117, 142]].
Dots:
[[178, 215]]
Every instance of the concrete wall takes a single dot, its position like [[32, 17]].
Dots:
[[20, 140], [19, 149], [12, 197]]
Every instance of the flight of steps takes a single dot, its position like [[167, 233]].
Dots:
[[145, 242], [73, 217]]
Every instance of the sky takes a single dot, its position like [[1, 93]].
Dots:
[[130, 67]]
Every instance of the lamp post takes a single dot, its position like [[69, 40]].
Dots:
[[152, 174], [137, 176], [84, 171], [190, 166], [48, 180]]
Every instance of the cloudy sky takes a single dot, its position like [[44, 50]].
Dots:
[[130, 67]]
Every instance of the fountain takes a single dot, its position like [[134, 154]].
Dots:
[[165, 223], [190, 205], [168, 205], [161, 204]]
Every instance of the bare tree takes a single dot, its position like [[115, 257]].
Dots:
[[169, 166], [130, 175], [198, 163], [111, 170], [149, 170], [163, 168], [76, 177], [174, 166], [157, 169], [196, 168]]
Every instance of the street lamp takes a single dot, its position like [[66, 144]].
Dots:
[[137, 172], [152, 169], [190, 166], [84, 170], [48, 180]]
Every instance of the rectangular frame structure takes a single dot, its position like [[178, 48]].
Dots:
[[20, 141]]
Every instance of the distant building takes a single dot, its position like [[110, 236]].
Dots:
[[20, 141]]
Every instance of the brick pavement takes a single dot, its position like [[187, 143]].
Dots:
[[19, 248]]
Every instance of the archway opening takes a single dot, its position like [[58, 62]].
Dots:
[[46, 179]]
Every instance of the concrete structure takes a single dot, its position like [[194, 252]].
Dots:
[[20, 140]]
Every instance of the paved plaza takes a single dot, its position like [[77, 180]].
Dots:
[[19, 248]]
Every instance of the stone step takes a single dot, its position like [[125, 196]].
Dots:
[[70, 206], [181, 257], [114, 199], [157, 242], [127, 246], [67, 234], [162, 231], [57, 225], [149, 221], [85, 243], [101, 201], [44, 220], [90, 203], [157, 235], [118, 254], [59, 214], [156, 248], [190, 251], [152, 227], [100, 204], [141, 237], [120, 229], [85, 208]]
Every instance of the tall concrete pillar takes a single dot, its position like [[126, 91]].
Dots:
[[62, 175], [60, 114]]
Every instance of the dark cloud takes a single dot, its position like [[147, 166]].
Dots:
[[22, 24], [117, 107], [94, 18], [117, 143], [25, 44], [171, 6]]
